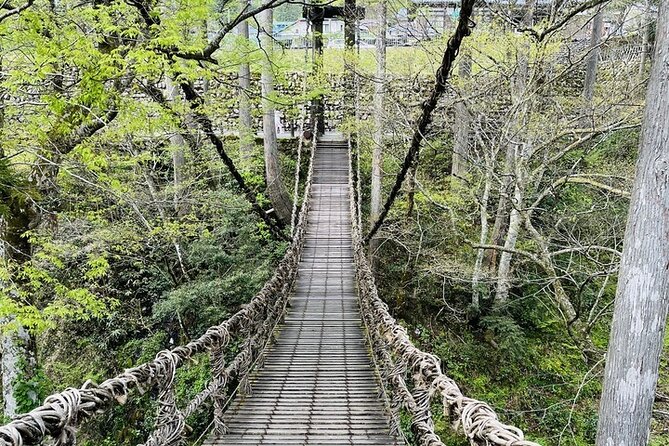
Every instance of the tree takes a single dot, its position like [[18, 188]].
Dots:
[[593, 58], [276, 189], [379, 114], [178, 145], [461, 123], [645, 26], [246, 132], [642, 298]]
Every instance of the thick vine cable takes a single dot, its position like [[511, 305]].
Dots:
[[196, 105], [62, 413], [413, 377], [463, 30], [300, 143]]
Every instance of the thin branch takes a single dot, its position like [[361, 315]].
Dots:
[[215, 43], [541, 35], [10, 12]]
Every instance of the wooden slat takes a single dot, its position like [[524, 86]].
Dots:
[[317, 385]]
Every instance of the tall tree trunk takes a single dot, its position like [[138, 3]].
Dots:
[[17, 355], [502, 212], [593, 58], [275, 188], [515, 162], [518, 87], [245, 121], [18, 364], [317, 106], [379, 117], [504, 269], [17, 359], [477, 274], [350, 22], [178, 158], [645, 40], [462, 123], [642, 298]]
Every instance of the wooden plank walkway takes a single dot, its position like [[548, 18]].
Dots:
[[317, 386]]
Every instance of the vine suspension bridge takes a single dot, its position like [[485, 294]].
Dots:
[[314, 359]]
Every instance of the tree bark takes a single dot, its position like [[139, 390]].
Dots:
[[477, 274], [642, 298], [502, 212], [275, 188], [379, 115], [317, 106], [593, 58], [178, 159], [645, 37], [504, 269], [17, 358], [462, 123], [350, 22], [245, 121]]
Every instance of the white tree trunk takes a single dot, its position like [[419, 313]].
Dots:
[[640, 312], [504, 269], [645, 32], [13, 343], [515, 155], [461, 124], [483, 217], [379, 98], [275, 188], [502, 212], [178, 159], [17, 357], [246, 132]]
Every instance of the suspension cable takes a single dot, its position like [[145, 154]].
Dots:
[[300, 142], [464, 29]]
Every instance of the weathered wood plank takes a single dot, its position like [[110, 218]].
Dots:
[[317, 385]]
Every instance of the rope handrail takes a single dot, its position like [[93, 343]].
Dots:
[[62, 413], [401, 361]]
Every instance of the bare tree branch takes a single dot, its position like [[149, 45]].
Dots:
[[10, 11]]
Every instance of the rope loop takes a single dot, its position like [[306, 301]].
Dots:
[[61, 413], [393, 350]]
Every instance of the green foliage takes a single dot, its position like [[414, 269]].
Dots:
[[14, 190], [31, 387]]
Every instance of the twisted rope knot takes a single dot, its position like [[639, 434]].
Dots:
[[11, 436], [65, 406]]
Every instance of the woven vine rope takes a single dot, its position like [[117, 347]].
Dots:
[[413, 378], [62, 413]]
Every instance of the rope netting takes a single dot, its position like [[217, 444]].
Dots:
[[413, 379], [247, 333]]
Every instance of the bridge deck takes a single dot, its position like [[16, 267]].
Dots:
[[317, 386]]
